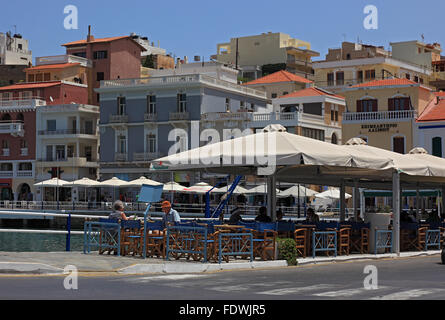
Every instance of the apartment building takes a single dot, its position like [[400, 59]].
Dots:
[[14, 50], [112, 58], [138, 116], [358, 63], [18, 107], [311, 112], [384, 112], [251, 54], [67, 142]]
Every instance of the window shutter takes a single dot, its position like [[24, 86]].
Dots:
[[390, 104], [374, 106], [359, 106]]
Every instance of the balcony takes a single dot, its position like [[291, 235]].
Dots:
[[146, 156], [380, 116], [23, 151], [179, 116], [120, 157], [150, 117], [14, 128], [118, 118], [24, 173], [67, 162], [227, 116], [6, 174], [261, 120], [63, 59], [67, 132], [30, 102], [179, 80]]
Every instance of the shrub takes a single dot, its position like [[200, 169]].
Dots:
[[287, 250]]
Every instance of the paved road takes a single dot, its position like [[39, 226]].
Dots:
[[401, 279]]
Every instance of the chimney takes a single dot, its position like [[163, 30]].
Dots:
[[89, 37]]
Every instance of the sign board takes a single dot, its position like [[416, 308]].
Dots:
[[150, 194]]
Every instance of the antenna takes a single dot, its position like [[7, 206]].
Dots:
[[423, 37], [15, 29]]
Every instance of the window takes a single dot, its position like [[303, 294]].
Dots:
[[6, 96], [98, 97], [6, 167], [47, 77], [315, 108], [334, 139], [25, 166], [39, 77], [408, 76], [5, 144], [242, 105], [340, 77], [313, 133], [49, 153], [437, 146], [330, 79], [421, 80], [88, 153], [336, 116], [70, 151], [151, 104], [151, 143], [360, 76], [370, 74], [398, 144], [20, 46], [416, 79], [121, 105], [227, 105], [182, 102], [100, 76], [60, 152], [26, 95], [89, 127], [122, 144], [97, 55], [30, 78], [80, 54], [367, 105], [332, 115], [399, 104], [274, 95], [51, 125], [23, 144], [285, 93]]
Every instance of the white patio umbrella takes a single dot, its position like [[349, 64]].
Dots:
[[53, 183], [293, 192], [86, 183], [200, 188], [331, 194], [260, 189], [238, 190], [114, 183], [173, 187], [142, 180]]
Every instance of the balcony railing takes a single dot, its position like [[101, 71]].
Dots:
[[149, 117], [118, 118], [28, 102], [178, 79], [4, 174], [63, 59], [15, 128], [146, 156], [379, 116], [24, 173], [67, 162], [230, 116], [120, 157], [66, 131], [177, 116]]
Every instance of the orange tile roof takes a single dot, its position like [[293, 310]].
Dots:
[[385, 82], [31, 85], [73, 43], [433, 111], [279, 76], [311, 92], [440, 94], [53, 66]]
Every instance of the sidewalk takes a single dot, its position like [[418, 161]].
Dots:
[[55, 262]]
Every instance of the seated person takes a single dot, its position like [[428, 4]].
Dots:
[[312, 216], [235, 216], [118, 212], [279, 215], [170, 215], [262, 216]]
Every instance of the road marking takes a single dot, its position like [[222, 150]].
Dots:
[[405, 295], [345, 292], [285, 291], [166, 277]]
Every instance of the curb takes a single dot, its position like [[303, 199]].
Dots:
[[28, 268], [184, 267], [308, 261]]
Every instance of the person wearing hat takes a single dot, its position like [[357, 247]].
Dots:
[[170, 215]]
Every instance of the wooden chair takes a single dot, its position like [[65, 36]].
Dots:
[[343, 240], [264, 243], [156, 240], [421, 238], [300, 236], [131, 236]]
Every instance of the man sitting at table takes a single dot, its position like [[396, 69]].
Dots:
[[262, 216], [170, 215], [235, 216], [312, 216]]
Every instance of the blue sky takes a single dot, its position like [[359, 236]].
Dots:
[[195, 27]]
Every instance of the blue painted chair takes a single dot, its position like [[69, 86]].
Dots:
[[131, 237], [156, 238]]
